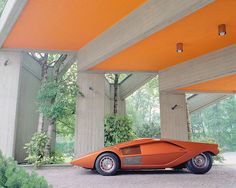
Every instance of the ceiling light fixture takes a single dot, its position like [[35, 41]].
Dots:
[[221, 29], [179, 47]]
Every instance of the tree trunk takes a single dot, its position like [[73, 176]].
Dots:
[[116, 82], [44, 75], [41, 123], [52, 121], [50, 132]]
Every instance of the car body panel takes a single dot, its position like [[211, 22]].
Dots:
[[150, 153]]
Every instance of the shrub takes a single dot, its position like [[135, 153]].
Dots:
[[13, 176], [118, 129], [37, 153]]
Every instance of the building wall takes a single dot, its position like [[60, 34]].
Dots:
[[9, 85]]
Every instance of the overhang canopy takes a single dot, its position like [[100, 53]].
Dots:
[[198, 32], [66, 25], [72, 25], [226, 84]]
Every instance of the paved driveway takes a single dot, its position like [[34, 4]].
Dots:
[[72, 177]]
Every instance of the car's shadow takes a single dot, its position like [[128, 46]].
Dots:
[[143, 172]]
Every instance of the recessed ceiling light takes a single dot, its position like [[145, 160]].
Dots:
[[179, 47], [221, 29]]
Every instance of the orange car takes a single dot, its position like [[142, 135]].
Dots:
[[150, 153]]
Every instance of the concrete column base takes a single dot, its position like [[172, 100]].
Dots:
[[174, 118]]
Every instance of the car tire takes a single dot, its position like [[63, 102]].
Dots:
[[107, 164], [200, 164], [180, 167]]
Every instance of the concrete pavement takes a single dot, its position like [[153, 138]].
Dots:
[[72, 177]]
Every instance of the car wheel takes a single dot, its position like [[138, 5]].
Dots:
[[107, 164], [200, 164]]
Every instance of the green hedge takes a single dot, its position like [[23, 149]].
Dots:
[[118, 129], [13, 176]]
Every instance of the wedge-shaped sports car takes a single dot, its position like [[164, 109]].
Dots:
[[150, 153]]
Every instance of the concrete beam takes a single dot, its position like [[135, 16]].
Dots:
[[152, 17], [9, 17], [134, 82], [200, 101], [69, 61], [207, 67]]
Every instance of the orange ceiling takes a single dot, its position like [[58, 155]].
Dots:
[[198, 32], [225, 84], [66, 25]]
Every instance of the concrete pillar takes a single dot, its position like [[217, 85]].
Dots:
[[10, 64], [19, 84], [174, 118], [27, 116], [89, 131]]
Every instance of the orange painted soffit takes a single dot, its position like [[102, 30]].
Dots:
[[198, 32], [66, 25], [225, 84]]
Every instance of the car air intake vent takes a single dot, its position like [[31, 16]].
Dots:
[[131, 150]]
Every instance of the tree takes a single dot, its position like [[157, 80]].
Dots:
[[216, 122], [47, 62], [115, 80], [143, 107], [57, 95]]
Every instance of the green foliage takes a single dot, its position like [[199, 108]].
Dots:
[[148, 131], [57, 100], [36, 149], [12, 176], [118, 129], [65, 146], [143, 107], [37, 153], [217, 122], [2, 5]]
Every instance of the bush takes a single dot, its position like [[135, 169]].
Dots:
[[12, 176], [118, 129], [37, 153]]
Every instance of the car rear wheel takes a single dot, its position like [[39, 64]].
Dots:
[[200, 164], [107, 164]]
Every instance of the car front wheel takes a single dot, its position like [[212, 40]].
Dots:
[[107, 164], [200, 164]]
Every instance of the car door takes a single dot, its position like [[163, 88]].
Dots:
[[160, 153]]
